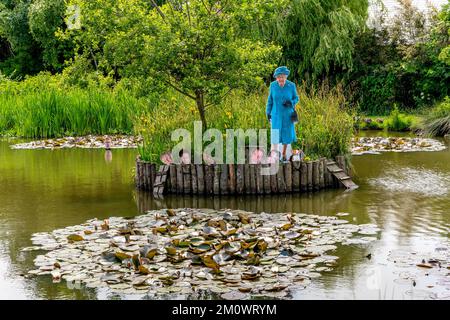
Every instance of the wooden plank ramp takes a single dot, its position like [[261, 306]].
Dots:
[[340, 174], [160, 180]]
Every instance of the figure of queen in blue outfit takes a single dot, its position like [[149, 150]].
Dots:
[[279, 109]]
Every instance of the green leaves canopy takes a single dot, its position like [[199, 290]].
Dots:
[[318, 35]]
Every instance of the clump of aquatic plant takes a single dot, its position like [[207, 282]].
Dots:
[[437, 123], [325, 126], [37, 108], [398, 121], [199, 245]]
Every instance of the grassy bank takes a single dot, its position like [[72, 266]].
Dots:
[[396, 121], [431, 121]]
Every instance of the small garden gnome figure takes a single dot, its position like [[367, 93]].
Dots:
[[107, 143], [257, 156], [166, 158], [108, 152], [280, 109]]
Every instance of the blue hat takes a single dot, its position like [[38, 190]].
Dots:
[[281, 70]]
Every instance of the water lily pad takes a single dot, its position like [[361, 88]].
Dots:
[[292, 235], [121, 256], [75, 237], [276, 287], [234, 295], [252, 273], [216, 251], [210, 262], [425, 265], [244, 218], [129, 248], [143, 270], [148, 252], [171, 250]]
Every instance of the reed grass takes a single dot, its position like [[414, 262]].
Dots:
[[44, 110], [326, 124]]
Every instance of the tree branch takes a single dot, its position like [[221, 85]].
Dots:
[[209, 10], [221, 98], [188, 12], [179, 90], [155, 5]]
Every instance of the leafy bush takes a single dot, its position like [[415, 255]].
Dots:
[[377, 92], [398, 121]]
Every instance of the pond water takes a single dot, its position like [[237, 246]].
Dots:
[[406, 194]]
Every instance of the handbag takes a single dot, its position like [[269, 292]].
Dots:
[[294, 115]]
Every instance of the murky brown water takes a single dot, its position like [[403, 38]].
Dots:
[[406, 194]]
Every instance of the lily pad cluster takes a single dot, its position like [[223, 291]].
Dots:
[[375, 145], [231, 253], [90, 141], [426, 274]]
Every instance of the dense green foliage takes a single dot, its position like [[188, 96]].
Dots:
[[401, 61], [404, 60], [28, 43], [398, 121]]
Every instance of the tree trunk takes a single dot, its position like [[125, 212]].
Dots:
[[199, 99]]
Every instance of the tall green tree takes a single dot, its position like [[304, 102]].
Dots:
[[23, 55], [45, 18], [198, 50], [28, 43]]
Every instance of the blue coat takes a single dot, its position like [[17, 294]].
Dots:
[[281, 115]]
